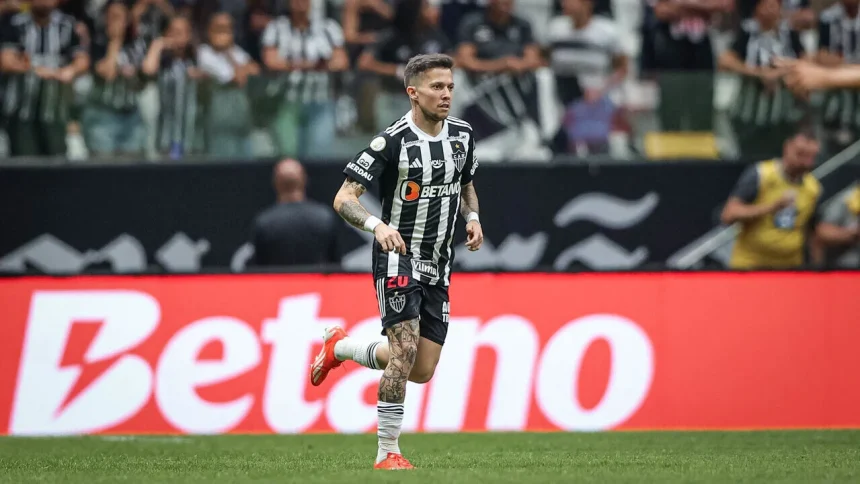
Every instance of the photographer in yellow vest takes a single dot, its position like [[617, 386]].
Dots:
[[777, 203]]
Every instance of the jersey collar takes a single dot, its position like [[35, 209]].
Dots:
[[443, 133]]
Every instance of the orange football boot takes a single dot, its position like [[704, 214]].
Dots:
[[325, 360], [394, 462]]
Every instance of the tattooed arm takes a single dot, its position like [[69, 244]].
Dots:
[[468, 200], [346, 203], [468, 205]]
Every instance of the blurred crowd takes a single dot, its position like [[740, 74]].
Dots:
[[116, 79]]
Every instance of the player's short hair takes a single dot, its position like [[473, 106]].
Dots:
[[420, 64]]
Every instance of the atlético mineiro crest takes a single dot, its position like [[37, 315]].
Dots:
[[458, 152], [397, 302]]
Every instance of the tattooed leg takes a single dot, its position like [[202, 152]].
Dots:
[[403, 349]]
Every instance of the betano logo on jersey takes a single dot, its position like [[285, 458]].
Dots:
[[411, 191]]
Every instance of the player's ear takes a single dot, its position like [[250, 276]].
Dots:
[[412, 92]]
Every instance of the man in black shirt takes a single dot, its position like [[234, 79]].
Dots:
[[499, 53], [295, 231], [414, 31]]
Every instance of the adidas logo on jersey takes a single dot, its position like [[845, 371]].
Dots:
[[416, 163]]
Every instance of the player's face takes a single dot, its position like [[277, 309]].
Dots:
[[434, 93], [42, 8], [801, 154], [576, 8], [179, 32], [768, 11]]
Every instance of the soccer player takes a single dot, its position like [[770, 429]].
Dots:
[[424, 163]]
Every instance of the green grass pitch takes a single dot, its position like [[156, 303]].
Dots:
[[789, 456]]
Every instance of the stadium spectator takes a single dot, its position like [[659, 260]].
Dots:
[[363, 20], [37, 95], [585, 54], [414, 31], [798, 13], [601, 7], [764, 110], [452, 13], [256, 18], [499, 54], [171, 60], [305, 51], [777, 204], [838, 234], [111, 120], [295, 231], [227, 110], [838, 33], [150, 17], [681, 56]]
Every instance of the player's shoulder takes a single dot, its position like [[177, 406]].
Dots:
[[396, 129], [460, 124], [811, 183], [605, 26], [18, 20], [520, 22], [559, 26]]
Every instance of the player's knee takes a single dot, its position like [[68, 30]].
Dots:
[[421, 375]]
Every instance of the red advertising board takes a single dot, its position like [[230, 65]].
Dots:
[[214, 354]]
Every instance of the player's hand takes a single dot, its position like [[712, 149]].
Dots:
[[475, 235], [389, 239]]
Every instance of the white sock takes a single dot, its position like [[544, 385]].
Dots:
[[390, 416], [361, 352]]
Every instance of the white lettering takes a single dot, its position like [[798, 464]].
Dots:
[[180, 373], [629, 378], [515, 342], [49, 372], [292, 334], [360, 171]]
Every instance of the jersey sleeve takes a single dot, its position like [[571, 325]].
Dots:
[[369, 164], [796, 44], [10, 35], [739, 46], [471, 163], [74, 46], [824, 27], [746, 188]]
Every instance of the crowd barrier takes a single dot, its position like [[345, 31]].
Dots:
[[593, 351]]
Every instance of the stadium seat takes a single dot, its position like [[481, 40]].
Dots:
[[689, 144]]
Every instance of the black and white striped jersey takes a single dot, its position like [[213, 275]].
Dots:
[[839, 33], [755, 104], [419, 178]]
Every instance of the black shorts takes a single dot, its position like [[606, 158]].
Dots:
[[403, 297]]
